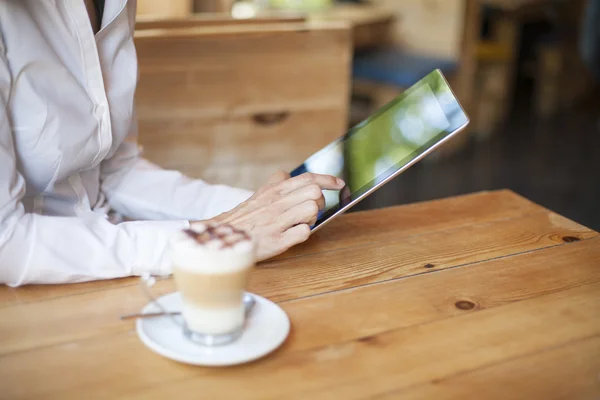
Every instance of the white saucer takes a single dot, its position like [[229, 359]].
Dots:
[[266, 329]]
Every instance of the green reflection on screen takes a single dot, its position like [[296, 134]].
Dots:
[[391, 137]]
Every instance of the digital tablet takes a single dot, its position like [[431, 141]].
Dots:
[[397, 136]]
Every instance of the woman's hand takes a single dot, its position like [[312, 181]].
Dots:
[[280, 213]]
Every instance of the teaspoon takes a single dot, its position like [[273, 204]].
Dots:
[[249, 302]]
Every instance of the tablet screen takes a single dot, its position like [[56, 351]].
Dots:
[[391, 139]]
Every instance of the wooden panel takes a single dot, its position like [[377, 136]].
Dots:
[[212, 5], [565, 372], [371, 26], [348, 230], [196, 73], [276, 87], [478, 287], [297, 277], [408, 333], [161, 8], [213, 19], [240, 150], [414, 219], [395, 224], [429, 352], [33, 293], [368, 264]]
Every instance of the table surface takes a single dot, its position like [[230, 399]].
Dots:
[[371, 25], [354, 14], [485, 296]]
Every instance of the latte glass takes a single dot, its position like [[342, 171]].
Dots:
[[212, 264]]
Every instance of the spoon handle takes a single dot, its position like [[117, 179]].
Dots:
[[249, 303], [150, 315]]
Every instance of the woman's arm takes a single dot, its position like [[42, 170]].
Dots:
[[141, 190], [278, 216], [45, 249]]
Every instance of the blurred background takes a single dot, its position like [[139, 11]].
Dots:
[[231, 91]]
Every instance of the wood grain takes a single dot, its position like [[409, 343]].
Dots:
[[378, 262], [213, 19], [257, 97], [295, 278], [238, 150], [223, 6], [482, 295], [371, 26], [33, 293], [431, 352], [385, 225], [397, 222], [408, 334], [345, 231], [565, 372], [420, 299], [401, 358], [414, 218], [173, 8]]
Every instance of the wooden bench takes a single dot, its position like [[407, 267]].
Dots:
[[234, 103], [371, 26], [213, 19]]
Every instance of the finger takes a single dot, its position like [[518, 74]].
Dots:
[[345, 196], [304, 213], [297, 182], [311, 192], [293, 236]]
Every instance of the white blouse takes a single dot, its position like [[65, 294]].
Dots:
[[68, 152]]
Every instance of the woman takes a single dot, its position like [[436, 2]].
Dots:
[[69, 159]]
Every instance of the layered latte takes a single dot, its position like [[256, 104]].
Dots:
[[212, 266]]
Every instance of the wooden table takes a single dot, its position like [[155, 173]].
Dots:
[[486, 296], [371, 25]]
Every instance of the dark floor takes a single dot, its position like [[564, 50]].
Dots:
[[555, 163]]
